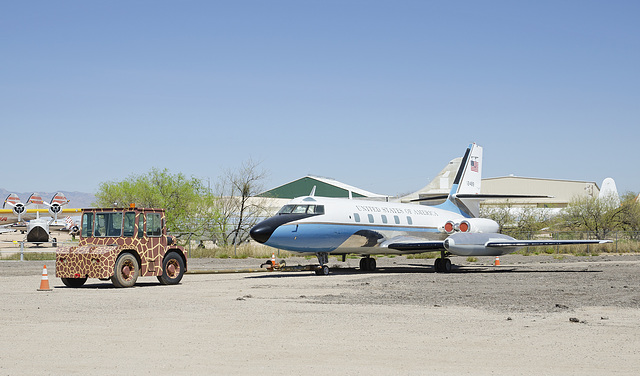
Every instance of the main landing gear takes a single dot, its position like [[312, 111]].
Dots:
[[442, 264], [368, 264], [323, 259]]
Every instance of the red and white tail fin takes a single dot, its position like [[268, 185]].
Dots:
[[35, 199], [59, 198], [12, 200]]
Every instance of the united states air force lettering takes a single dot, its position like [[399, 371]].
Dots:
[[376, 209]]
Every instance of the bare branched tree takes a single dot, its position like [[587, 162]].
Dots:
[[239, 208]]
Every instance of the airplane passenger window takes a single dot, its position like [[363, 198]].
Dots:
[[370, 218], [396, 219], [409, 220], [356, 216], [384, 218]]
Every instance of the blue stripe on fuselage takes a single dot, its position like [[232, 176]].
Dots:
[[325, 237]]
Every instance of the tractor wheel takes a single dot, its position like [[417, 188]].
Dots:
[[126, 271], [172, 269], [74, 282]]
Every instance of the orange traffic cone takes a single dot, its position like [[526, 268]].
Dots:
[[44, 282], [273, 260], [497, 261]]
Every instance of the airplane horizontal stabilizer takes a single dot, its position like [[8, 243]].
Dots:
[[479, 197]]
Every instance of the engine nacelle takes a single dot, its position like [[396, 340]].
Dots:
[[476, 225], [54, 209], [473, 244], [483, 225], [18, 209]]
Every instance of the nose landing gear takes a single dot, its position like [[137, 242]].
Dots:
[[323, 259]]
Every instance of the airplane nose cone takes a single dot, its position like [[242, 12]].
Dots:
[[261, 232]]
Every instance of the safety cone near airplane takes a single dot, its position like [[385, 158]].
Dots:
[[273, 260], [44, 282], [497, 261]]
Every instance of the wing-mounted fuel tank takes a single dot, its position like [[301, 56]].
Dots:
[[13, 201], [471, 225]]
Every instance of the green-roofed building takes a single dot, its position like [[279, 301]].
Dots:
[[323, 187]]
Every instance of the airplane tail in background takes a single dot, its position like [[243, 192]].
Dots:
[[35, 199], [55, 205], [609, 191]]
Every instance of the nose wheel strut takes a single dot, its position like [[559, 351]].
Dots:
[[323, 259]]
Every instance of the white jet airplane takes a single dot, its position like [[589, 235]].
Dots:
[[340, 226]]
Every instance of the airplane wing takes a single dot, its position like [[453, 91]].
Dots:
[[534, 243], [411, 243]]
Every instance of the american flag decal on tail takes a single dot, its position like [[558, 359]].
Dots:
[[475, 165]]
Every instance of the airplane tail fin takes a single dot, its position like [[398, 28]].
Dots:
[[12, 200], [35, 199], [59, 198], [466, 184], [465, 197], [609, 191]]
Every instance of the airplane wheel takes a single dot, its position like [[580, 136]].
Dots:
[[442, 265], [324, 270], [364, 265], [446, 265], [372, 264]]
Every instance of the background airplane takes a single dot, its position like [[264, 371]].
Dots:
[[324, 226], [37, 227]]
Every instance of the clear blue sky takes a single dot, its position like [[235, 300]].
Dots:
[[377, 94]]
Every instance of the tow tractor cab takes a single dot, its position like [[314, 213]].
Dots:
[[121, 245]]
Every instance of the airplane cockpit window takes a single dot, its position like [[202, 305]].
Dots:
[[302, 209]]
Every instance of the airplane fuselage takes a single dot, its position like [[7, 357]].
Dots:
[[338, 226]]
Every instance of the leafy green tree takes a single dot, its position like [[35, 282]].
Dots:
[[598, 215], [518, 221], [188, 204], [630, 216]]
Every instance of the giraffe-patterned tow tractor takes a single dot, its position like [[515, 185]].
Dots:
[[122, 244]]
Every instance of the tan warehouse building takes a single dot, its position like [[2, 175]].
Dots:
[[563, 191]]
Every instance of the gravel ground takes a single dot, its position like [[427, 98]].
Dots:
[[532, 315]]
